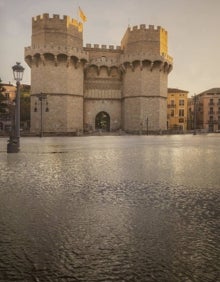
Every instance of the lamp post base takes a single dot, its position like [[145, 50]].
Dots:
[[13, 145]]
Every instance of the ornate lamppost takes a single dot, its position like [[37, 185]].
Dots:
[[13, 145], [41, 97]]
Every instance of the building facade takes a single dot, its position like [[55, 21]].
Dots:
[[96, 87], [205, 110], [177, 109]]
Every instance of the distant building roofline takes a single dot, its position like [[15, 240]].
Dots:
[[6, 84], [176, 90], [211, 91]]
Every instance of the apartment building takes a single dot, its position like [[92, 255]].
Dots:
[[177, 109], [207, 110]]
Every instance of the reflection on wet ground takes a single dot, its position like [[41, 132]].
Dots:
[[116, 208]]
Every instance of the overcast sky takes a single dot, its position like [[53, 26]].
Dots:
[[193, 33]]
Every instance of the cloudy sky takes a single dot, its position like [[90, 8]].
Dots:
[[193, 28]]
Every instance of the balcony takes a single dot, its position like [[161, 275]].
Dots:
[[212, 121], [5, 117], [171, 106]]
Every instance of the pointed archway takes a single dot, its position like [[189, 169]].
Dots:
[[102, 121]]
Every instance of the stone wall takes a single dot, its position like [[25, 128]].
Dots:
[[92, 107]]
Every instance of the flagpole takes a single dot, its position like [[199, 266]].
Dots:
[[77, 11], [129, 22]]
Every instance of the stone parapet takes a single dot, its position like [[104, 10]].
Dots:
[[56, 50], [104, 62], [99, 47], [145, 56], [38, 54]]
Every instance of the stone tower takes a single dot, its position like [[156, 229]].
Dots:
[[97, 87], [56, 59], [146, 65]]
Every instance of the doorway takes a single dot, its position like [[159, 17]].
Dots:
[[102, 121]]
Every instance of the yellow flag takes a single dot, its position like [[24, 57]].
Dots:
[[82, 15]]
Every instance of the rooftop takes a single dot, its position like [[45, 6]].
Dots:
[[176, 90], [211, 91]]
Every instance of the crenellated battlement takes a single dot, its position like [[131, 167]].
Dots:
[[150, 28], [144, 38], [102, 47], [54, 20], [55, 30], [46, 16]]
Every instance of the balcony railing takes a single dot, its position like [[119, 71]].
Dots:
[[212, 121], [171, 106], [5, 117]]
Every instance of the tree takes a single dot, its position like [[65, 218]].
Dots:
[[3, 99]]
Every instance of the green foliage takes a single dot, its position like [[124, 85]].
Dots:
[[3, 99], [7, 106]]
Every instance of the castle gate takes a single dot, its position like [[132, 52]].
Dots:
[[128, 84], [102, 121]]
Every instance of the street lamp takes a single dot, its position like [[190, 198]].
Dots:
[[41, 97], [14, 140]]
